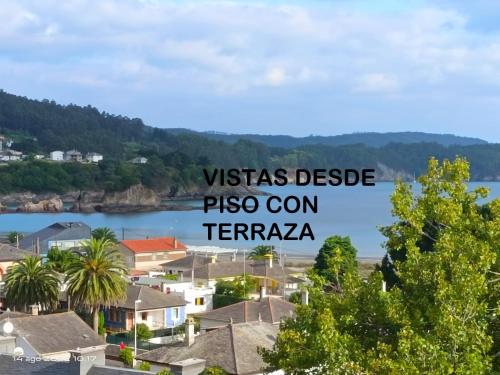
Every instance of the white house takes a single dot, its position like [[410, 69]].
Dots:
[[199, 298], [10, 155], [73, 155], [93, 157], [57, 156], [139, 160]]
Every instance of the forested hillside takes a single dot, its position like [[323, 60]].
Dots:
[[176, 156], [368, 138]]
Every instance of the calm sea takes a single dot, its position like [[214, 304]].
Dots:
[[348, 211]]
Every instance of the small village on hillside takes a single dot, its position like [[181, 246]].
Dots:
[[181, 309]]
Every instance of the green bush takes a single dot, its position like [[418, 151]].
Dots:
[[144, 366], [127, 356], [165, 371], [143, 332]]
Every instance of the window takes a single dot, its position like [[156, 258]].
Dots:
[[175, 313], [144, 316], [199, 301], [114, 315]]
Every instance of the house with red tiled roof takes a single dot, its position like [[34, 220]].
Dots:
[[148, 254]]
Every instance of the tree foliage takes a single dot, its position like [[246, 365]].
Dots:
[[96, 277], [336, 257], [262, 251], [240, 287], [438, 321], [60, 260], [143, 332], [30, 282], [104, 233]]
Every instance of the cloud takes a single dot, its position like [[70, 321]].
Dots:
[[276, 76], [238, 49], [378, 83]]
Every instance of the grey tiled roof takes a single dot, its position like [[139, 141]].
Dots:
[[237, 268], [57, 231], [270, 310], [9, 252], [54, 333], [187, 262], [233, 347], [150, 298], [12, 314]]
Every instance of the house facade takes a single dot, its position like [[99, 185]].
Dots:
[[73, 155], [149, 254], [57, 156], [63, 235], [93, 157], [156, 309], [8, 256], [272, 278]]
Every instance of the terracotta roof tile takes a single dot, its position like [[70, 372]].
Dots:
[[154, 244]]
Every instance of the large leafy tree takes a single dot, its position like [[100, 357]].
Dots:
[[336, 257], [30, 282], [261, 251], [97, 277], [440, 318], [104, 233]]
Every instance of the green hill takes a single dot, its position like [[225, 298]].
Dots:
[[176, 156]]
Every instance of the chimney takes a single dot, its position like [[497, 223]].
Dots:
[[304, 297], [175, 243], [84, 359], [384, 286], [263, 293], [213, 258], [189, 335], [233, 257], [188, 366], [34, 309]]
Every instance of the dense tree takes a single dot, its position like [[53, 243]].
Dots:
[[96, 277], [60, 260], [439, 319], [336, 257], [240, 287], [262, 251], [14, 237], [104, 233], [30, 282], [143, 332]]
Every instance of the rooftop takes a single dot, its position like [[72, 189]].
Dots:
[[55, 333], [60, 230], [154, 244], [233, 347], [269, 309], [150, 298], [9, 252], [188, 262]]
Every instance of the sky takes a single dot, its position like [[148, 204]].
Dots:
[[320, 67]]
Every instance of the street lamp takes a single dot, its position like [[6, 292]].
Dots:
[[135, 328]]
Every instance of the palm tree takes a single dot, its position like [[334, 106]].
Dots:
[[104, 233], [30, 282], [59, 260], [260, 252], [96, 277]]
